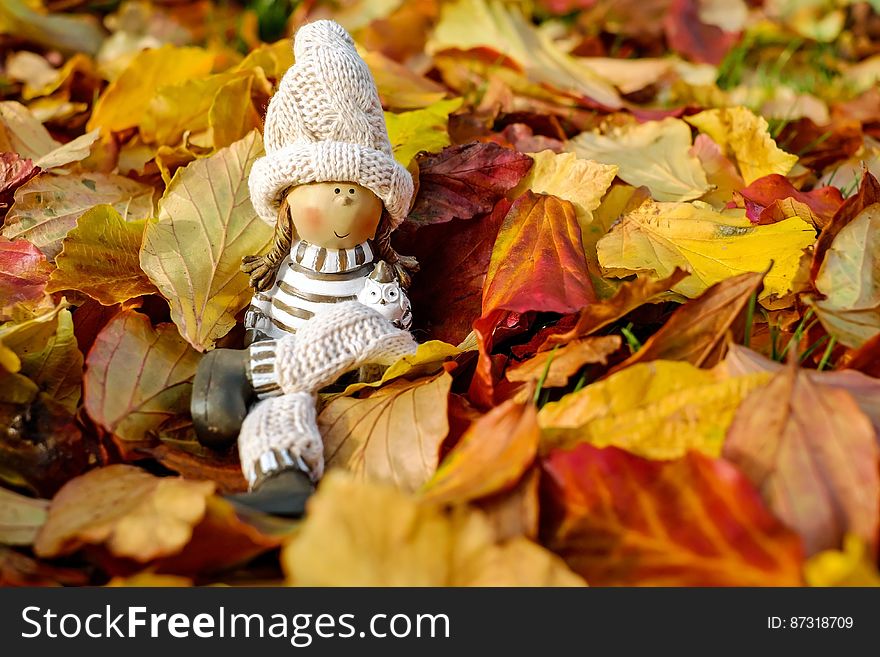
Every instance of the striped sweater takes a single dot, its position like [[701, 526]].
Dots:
[[308, 279]]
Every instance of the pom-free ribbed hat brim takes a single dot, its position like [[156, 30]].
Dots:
[[329, 161]]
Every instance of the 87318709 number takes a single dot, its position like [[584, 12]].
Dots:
[[810, 623]]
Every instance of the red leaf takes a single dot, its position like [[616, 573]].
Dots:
[[24, 272], [761, 197], [538, 264], [15, 171], [689, 36], [619, 519], [462, 182]]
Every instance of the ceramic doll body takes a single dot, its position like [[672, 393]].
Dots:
[[329, 297]]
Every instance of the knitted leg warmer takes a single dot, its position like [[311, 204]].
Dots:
[[280, 432], [334, 341]]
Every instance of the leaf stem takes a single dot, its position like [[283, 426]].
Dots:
[[750, 318], [537, 396], [827, 355]]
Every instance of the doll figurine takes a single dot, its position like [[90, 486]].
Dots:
[[330, 295]]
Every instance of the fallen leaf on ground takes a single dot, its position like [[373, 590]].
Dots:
[[20, 517], [24, 273], [48, 206], [813, 455], [193, 252], [699, 331], [127, 99], [654, 154], [391, 539], [658, 410], [851, 566], [137, 376], [420, 130], [100, 257], [461, 182], [618, 519], [774, 198], [849, 279], [658, 237], [394, 435], [745, 136], [490, 457], [563, 363]]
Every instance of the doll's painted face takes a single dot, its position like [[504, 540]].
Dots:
[[335, 215]]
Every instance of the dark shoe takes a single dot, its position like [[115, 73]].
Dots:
[[282, 493], [221, 397]]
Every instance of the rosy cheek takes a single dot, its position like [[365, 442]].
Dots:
[[313, 218]]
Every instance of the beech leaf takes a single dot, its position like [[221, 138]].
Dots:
[[48, 206], [659, 410], [137, 376], [395, 540], [654, 154], [393, 435], [100, 257], [193, 253], [712, 246], [813, 455], [618, 519]]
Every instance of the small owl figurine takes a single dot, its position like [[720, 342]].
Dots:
[[383, 293]]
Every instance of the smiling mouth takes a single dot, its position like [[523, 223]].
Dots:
[[341, 236]]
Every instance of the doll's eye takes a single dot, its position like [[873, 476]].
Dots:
[[374, 294], [392, 294], [351, 191], [337, 190]]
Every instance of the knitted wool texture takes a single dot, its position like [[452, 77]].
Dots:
[[335, 341], [325, 123], [286, 422]]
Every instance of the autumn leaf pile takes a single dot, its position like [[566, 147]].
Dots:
[[648, 306]]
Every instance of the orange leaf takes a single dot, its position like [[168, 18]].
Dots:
[[697, 332], [619, 519], [491, 456], [514, 512], [629, 297], [566, 361], [812, 453]]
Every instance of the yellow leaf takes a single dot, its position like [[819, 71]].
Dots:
[[655, 154], [181, 107], [491, 456], [206, 225], [851, 566], [565, 175], [232, 115], [20, 518], [658, 410], [468, 24], [56, 365], [420, 130], [746, 137], [712, 246], [22, 338], [427, 360], [393, 435], [133, 513], [48, 206], [399, 87], [65, 32], [274, 58], [849, 277], [629, 75], [124, 103], [100, 258], [367, 534], [25, 135]]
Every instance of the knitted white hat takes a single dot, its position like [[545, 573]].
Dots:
[[325, 123]]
